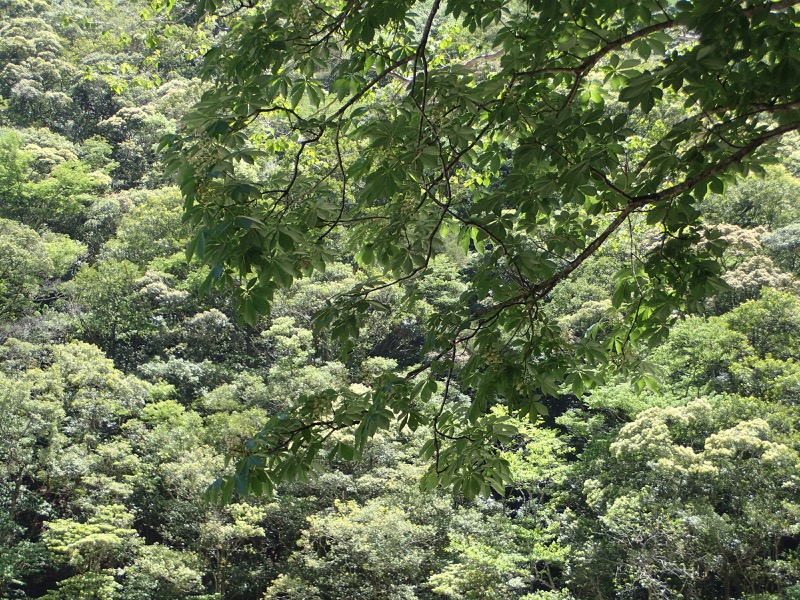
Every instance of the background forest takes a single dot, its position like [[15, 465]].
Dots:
[[124, 382]]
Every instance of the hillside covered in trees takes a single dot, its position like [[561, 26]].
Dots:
[[373, 429]]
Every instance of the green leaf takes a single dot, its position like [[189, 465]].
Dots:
[[297, 93]]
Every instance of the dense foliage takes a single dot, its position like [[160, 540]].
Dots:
[[129, 383], [531, 134]]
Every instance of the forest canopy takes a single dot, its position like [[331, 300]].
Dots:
[[530, 134], [494, 302]]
